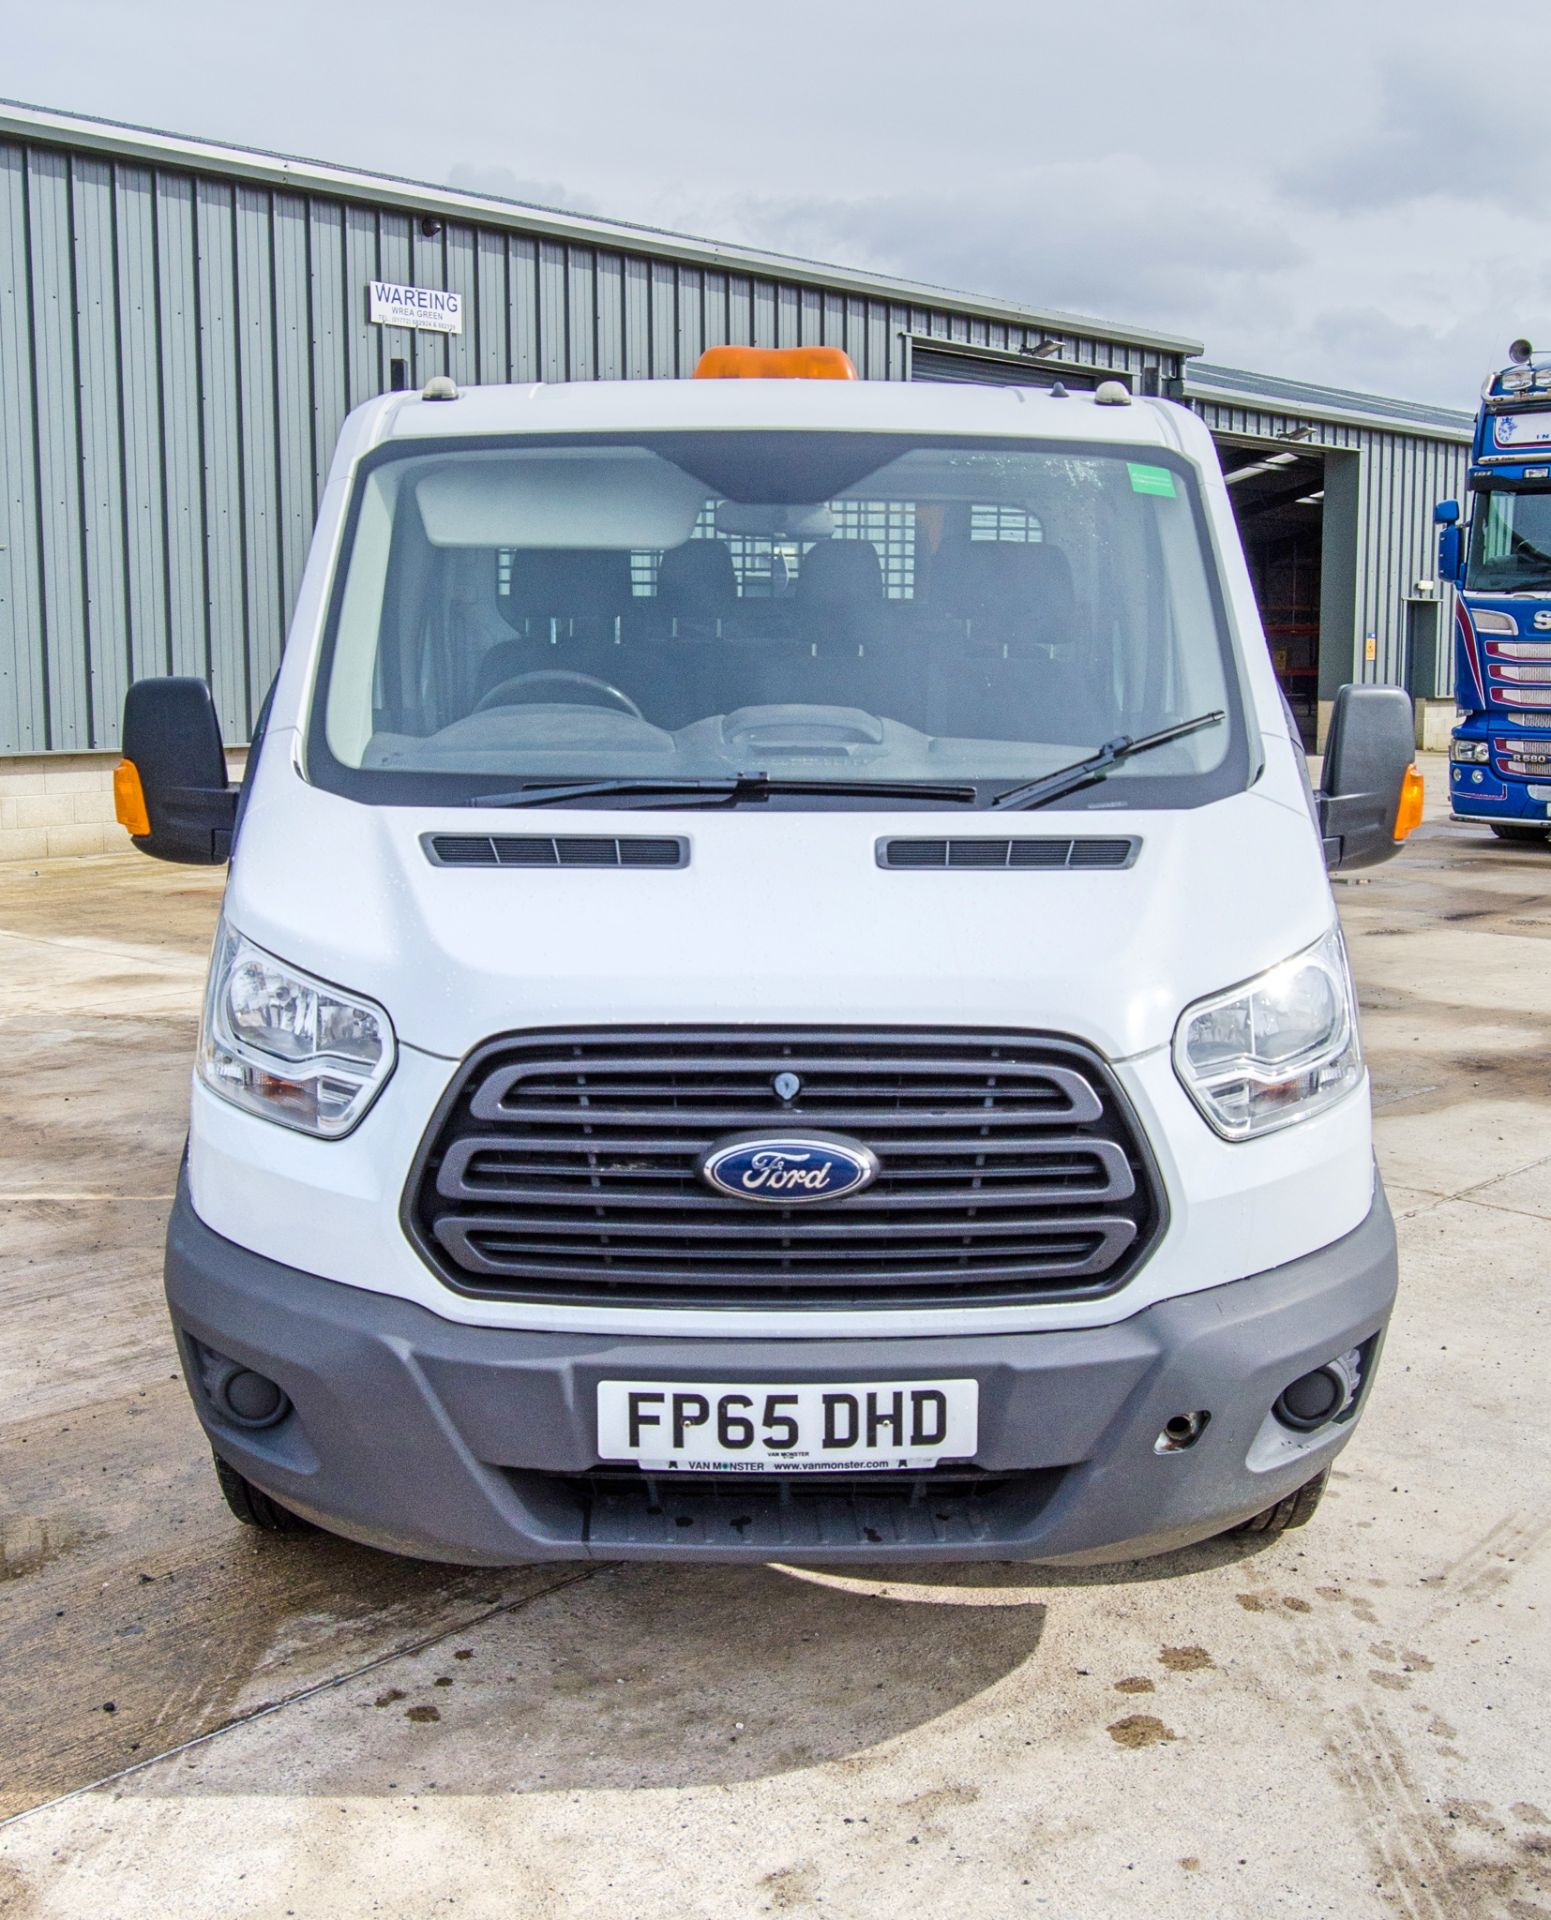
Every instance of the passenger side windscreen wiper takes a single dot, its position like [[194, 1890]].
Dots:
[[1087, 773], [713, 790]]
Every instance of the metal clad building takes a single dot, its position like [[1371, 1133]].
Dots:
[[183, 328], [1383, 464]]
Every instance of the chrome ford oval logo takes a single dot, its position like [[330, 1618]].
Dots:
[[788, 1169]]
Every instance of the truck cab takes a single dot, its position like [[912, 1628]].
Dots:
[[778, 992], [1499, 558]]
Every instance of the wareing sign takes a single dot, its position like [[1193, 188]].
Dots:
[[427, 308]]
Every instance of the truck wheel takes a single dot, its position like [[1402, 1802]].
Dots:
[[1523, 836], [253, 1507], [1296, 1510]]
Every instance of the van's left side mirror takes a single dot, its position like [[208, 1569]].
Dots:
[[171, 788], [1451, 541], [1370, 793]]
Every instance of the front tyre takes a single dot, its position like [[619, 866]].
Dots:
[[255, 1508], [1296, 1510], [1521, 836]]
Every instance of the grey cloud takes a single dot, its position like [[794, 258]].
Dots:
[[1090, 243], [1437, 129]]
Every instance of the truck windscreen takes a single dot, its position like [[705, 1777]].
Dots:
[[860, 606], [1510, 542]]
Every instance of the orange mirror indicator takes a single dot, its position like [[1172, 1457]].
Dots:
[[774, 363], [129, 800], [1408, 815]]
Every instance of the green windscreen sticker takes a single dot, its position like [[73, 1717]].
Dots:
[[1157, 480]]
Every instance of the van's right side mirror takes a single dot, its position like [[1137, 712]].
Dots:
[[1370, 793], [1451, 541], [171, 788]]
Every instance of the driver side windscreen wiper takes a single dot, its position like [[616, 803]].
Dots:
[[712, 790], [1087, 773]]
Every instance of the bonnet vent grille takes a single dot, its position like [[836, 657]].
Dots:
[[554, 850], [961, 851]]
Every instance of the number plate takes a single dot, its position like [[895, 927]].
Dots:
[[704, 1427]]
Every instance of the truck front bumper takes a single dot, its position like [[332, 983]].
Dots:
[[1477, 793], [479, 1446]]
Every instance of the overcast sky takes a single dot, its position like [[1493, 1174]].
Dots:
[[1348, 191]]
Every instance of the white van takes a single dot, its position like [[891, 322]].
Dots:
[[778, 994]]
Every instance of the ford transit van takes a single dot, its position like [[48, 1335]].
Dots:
[[778, 993]]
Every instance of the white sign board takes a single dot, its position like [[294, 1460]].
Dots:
[[427, 308]]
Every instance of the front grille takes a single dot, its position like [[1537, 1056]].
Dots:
[[563, 1166]]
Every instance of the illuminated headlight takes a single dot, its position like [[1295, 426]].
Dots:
[[1276, 1050], [284, 1045], [1473, 752]]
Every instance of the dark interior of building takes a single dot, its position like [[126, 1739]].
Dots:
[[1277, 490]]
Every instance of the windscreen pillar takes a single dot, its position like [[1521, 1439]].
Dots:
[[1340, 609]]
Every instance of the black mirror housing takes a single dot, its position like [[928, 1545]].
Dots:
[[1368, 755], [172, 739]]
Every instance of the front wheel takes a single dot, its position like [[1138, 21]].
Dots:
[[1296, 1510], [255, 1508], [1521, 836]]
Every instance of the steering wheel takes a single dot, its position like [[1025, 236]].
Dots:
[[514, 692]]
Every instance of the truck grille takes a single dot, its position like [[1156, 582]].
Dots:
[[563, 1166]]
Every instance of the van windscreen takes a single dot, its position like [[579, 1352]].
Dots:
[[812, 604]]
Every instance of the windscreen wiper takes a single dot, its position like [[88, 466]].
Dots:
[[1087, 773], [713, 789]]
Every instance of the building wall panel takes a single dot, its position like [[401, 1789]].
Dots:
[[137, 381], [56, 391], [295, 473], [101, 441], [23, 629], [186, 555]]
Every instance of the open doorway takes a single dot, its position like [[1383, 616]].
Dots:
[[1278, 495]]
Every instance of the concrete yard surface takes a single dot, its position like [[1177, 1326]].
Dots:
[[196, 1720]]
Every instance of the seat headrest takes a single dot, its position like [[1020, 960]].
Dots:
[[1027, 581], [840, 572], [568, 583], [697, 578]]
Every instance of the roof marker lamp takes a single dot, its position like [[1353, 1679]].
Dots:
[[774, 363], [290, 1048], [1276, 1050]]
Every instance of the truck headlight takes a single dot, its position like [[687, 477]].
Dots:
[[1473, 752], [284, 1045], [1278, 1049]]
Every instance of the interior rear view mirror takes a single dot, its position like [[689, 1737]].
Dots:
[[171, 789], [1370, 793]]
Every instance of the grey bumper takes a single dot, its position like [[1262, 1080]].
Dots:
[[478, 1446]]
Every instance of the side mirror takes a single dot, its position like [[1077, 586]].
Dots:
[[1370, 793], [171, 789], [1451, 541]]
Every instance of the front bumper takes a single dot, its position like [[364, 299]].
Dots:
[[1479, 793], [478, 1445]]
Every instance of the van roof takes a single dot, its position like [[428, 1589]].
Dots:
[[857, 406]]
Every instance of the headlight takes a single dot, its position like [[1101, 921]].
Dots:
[[282, 1044], [1472, 752], [1277, 1049]]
